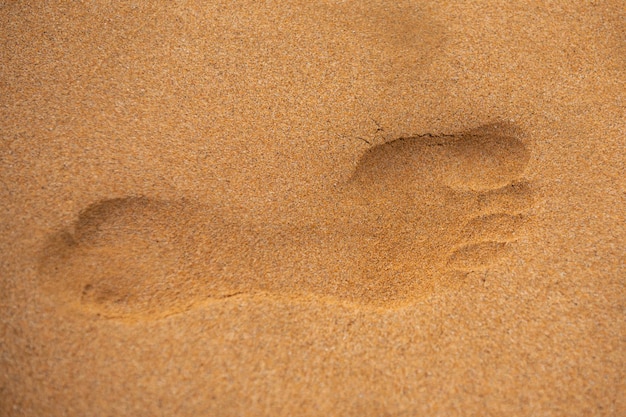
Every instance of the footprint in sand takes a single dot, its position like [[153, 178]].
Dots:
[[417, 215]]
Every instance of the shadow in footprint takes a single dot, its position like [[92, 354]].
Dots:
[[417, 215]]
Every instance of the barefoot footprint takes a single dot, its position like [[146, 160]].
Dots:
[[418, 214]]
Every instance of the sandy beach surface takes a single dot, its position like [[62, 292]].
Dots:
[[312, 208]]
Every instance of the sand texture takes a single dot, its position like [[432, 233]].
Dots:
[[361, 208]]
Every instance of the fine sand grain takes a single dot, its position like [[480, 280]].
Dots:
[[312, 208]]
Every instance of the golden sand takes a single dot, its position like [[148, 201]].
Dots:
[[312, 208]]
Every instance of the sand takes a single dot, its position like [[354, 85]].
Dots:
[[312, 208]]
